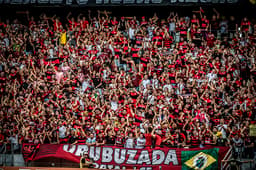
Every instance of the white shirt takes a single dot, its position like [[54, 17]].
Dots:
[[146, 42], [142, 130], [7, 42], [105, 74], [145, 83], [59, 76], [168, 99], [114, 105], [172, 26], [62, 131], [131, 33], [91, 140], [151, 99], [211, 76], [180, 88], [129, 143], [140, 143], [51, 53], [155, 83], [168, 86], [86, 84], [222, 129], [13, 139], [150, 31]]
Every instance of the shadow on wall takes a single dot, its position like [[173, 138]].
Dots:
[[53, 162]]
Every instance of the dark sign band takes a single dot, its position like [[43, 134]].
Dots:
[[117, 2]]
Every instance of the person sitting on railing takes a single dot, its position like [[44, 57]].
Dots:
[[85, 161]]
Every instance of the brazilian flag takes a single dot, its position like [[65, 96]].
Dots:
[[200, 159]]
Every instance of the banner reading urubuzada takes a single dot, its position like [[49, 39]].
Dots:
[[111, 157]]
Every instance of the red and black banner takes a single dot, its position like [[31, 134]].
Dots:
[[29, 150], [111, 157]]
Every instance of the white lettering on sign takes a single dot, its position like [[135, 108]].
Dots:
[[95, 153], [132, 154], [157, 157], [70, 149], [81, 149], [144, 158], [119, 158], [171, 157], [107, 155]]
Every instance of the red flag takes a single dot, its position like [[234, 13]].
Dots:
[[201, 10]]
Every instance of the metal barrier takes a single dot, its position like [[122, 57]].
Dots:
[[11, 149], [235, 164], [8, 151]]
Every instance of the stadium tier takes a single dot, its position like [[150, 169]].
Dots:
[[104, 89]]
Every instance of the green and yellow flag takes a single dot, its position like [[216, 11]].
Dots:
[[200, 160]]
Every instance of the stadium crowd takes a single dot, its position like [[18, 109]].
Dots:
[[181, 81]]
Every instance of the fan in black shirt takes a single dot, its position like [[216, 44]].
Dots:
[[232, 26], [97, 81], [100, 140], [110, 139], [249, 147], [72, 138], [122, 24]]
